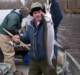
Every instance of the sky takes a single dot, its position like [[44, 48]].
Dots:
[[3, 14]]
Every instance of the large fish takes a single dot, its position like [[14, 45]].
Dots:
[[50, 38]]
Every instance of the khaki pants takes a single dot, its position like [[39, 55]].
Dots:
[[7, 50], [41, 68]]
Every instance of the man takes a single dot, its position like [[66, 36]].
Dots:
[[56, 17], [12, 24], [36, 36]]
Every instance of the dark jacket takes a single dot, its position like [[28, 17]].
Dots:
[[56, 15], [12, 23], [34, 36]]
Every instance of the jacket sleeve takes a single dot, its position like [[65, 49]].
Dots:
[[13, 24], [56, 14]]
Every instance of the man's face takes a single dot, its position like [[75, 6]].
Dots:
[[37, 15]]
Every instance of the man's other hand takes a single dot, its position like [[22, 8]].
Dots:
[[16, 38]]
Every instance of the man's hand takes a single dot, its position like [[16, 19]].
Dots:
[[16, 38]]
